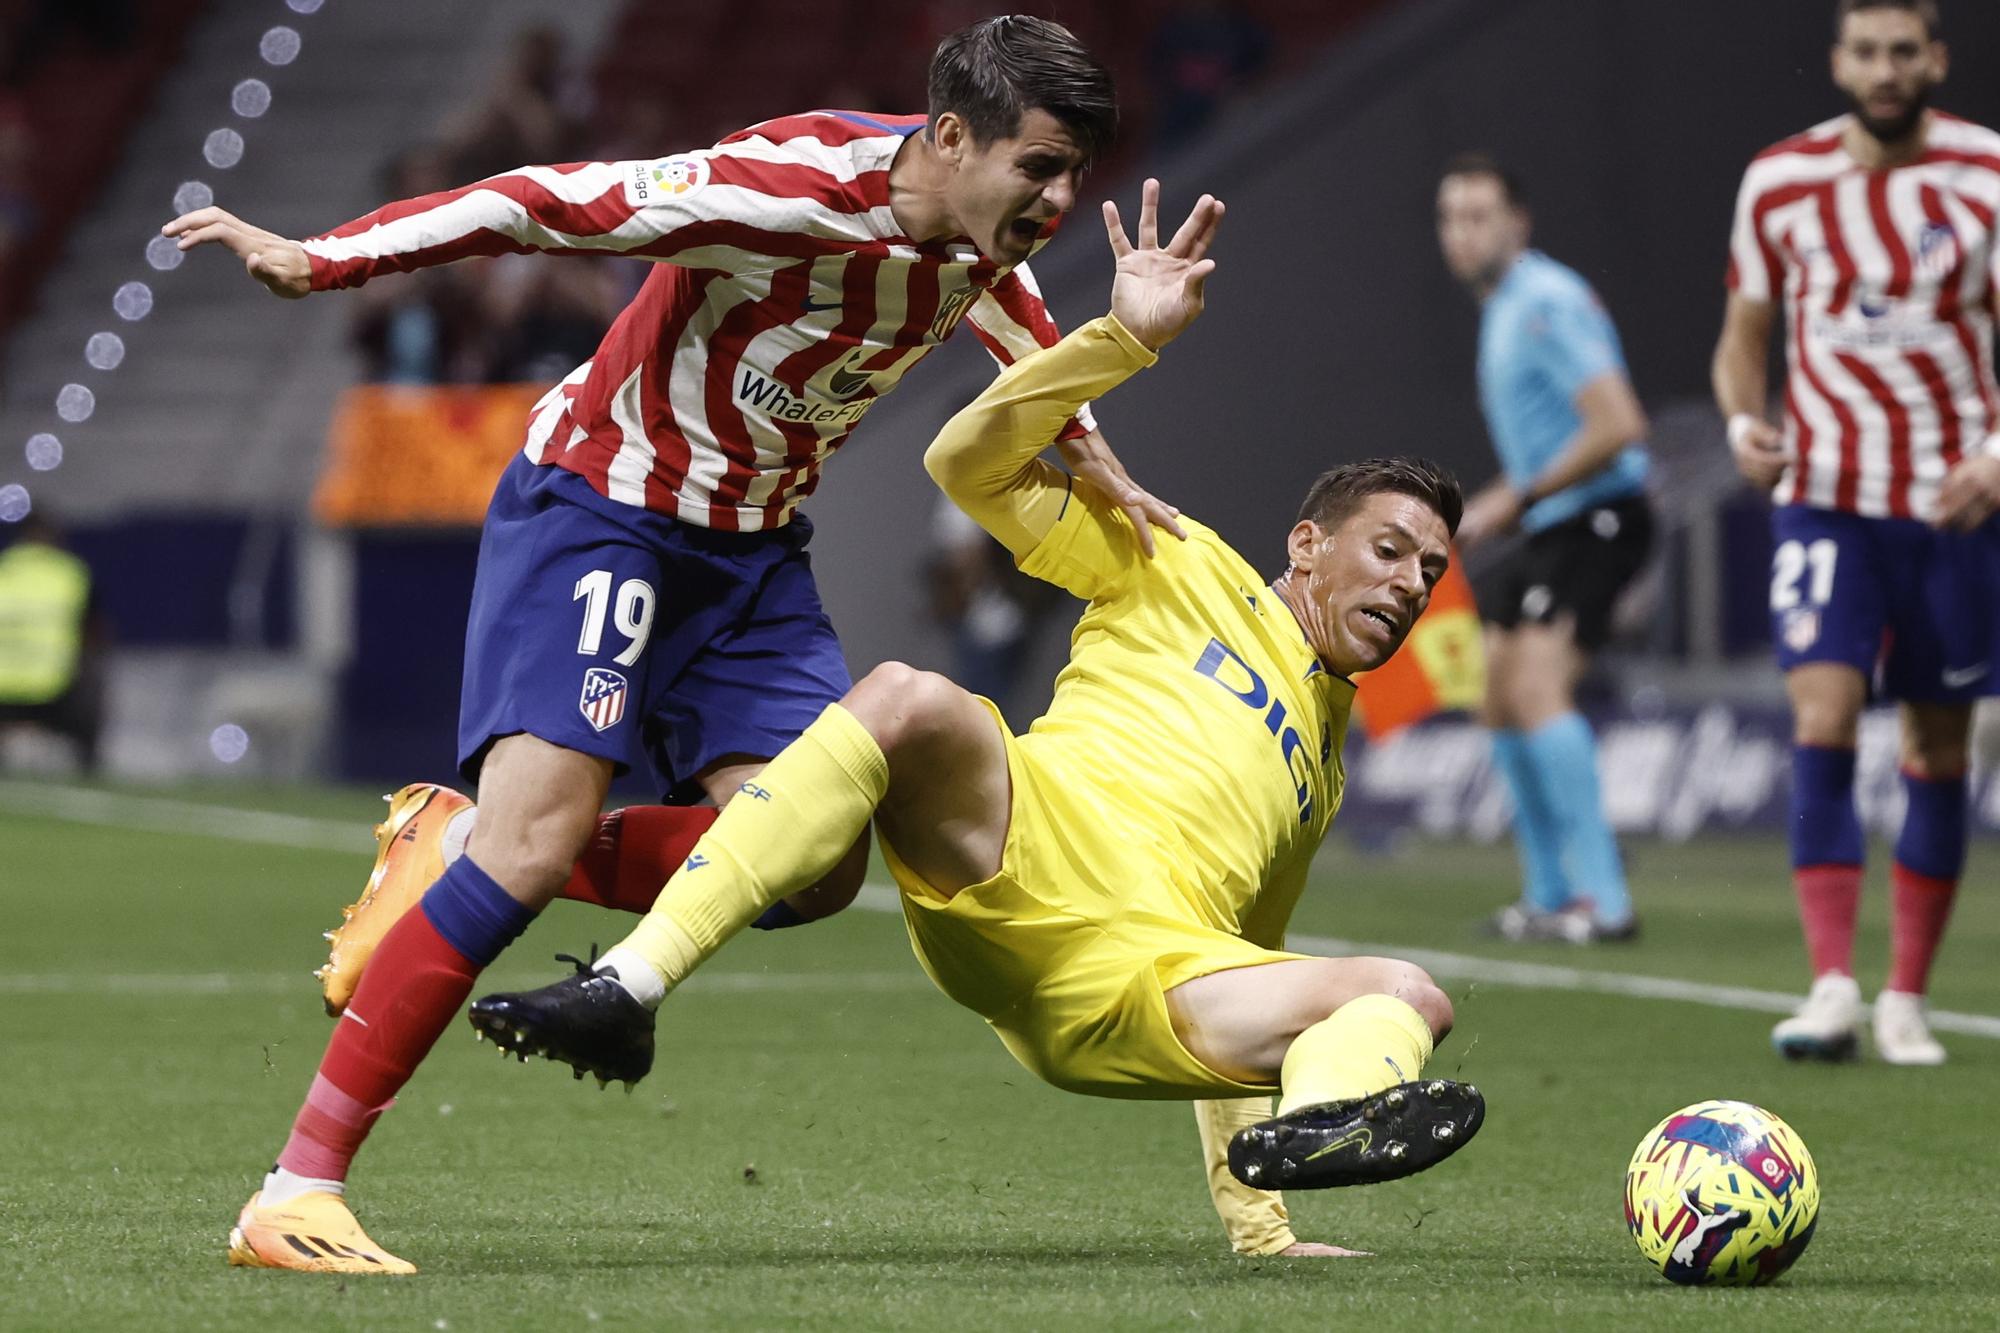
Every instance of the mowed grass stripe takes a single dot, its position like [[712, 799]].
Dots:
[[159, 814]]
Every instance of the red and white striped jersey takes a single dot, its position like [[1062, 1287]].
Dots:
[[1891, 283], [788, 302]]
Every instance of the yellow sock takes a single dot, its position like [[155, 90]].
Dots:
[[1367, 1045], [782, 832]]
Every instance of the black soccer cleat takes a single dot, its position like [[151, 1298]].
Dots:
[[1394, 1133], [586, 1021]]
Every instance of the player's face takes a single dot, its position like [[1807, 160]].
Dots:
[[1368, 580], [1887, 64], [1004, 194], [1478, 230]]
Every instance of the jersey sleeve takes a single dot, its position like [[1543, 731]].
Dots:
[[1754, 271], [1254, 1219], [1011, 321], [1574, 340], [1059, 528], [729, 208]]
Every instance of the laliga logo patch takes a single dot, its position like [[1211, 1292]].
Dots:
[[668, 178], [603, 701], [1938, 251]]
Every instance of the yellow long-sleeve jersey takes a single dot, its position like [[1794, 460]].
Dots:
[[1192, 714]]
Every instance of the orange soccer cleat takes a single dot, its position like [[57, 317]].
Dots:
[[410, 854], [314, 1233]]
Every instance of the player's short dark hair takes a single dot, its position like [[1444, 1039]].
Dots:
[[997, 70], [1485, 164], [1927, 10], [1339, 491]]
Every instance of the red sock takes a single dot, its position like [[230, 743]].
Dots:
[[634, 852], [414, 985], [1829, 900], [1922, 905]]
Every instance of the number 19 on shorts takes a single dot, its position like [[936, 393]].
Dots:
[[632, 616]]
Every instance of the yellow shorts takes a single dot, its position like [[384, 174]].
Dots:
[[1076, 990]]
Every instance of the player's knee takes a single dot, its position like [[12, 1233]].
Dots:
[[1937, 742], [1826, 706], [902, 706], [1824, 719], [532, 856], [1414, 987], [521, 861], [1936, 761]]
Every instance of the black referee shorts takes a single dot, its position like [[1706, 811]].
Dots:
[[1579, 566]]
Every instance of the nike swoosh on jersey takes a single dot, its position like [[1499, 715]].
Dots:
[[847, 383], [1959, 679]]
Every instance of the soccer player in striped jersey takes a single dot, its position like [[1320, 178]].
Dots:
[[643, 580], [1875, 231], [1108, 893]]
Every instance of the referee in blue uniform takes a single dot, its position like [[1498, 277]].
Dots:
[[1567, 428]]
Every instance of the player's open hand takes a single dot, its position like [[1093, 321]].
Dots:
[[1970, 494], [1158, 291], [280, 264], [1759, 450]]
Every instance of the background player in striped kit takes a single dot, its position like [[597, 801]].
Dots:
[[1876, 230], [643, 580], [1567, 426]]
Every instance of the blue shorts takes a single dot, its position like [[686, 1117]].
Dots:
[[618, 632], [1915, 610]]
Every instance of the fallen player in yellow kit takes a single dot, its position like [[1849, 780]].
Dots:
[[1109, 891]]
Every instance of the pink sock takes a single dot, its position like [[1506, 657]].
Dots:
[[1829, 900], [327, 1133], [1922, 905]]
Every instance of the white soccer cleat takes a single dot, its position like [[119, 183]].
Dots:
[[1827, 1026], [1903, 1032]]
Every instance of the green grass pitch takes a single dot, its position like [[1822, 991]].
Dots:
[[828, 1144]]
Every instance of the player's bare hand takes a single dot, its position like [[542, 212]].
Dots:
[[1312, 1249], [1759, 450], [1492, 513], [1970, 494], [1158, 290], [280, 264], [1091, 458]]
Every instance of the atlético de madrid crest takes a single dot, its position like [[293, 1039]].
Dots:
[[1938, 254], [603, 701]]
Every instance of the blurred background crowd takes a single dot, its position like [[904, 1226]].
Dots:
[[277, 505]]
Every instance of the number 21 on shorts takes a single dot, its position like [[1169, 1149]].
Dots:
[[1789, 564], [1794, 563]]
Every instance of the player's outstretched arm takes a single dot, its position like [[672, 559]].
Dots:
[[1255, 1220], [987, 457], [621, 208], [280, 264]]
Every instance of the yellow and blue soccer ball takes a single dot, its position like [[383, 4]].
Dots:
[[1723, 1194]]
